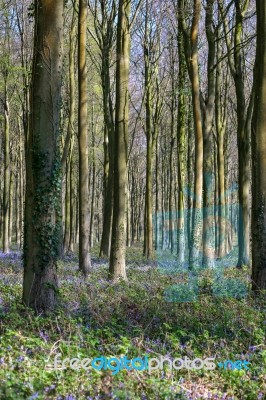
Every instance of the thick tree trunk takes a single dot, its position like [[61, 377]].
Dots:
[[259, 156], [43, 173]]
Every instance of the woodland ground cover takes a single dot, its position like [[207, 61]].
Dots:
[[132, 318]]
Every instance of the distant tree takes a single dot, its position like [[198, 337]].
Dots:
[[84, 221]]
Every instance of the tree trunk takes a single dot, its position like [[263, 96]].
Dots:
[[70, 132], [6, 203], [10, 217], [118, 244], [43, 172], [181, 132], [220, 119], [259, 156], [209, 107], [198, 176], [242, 145], [84, 220], [109, 154]]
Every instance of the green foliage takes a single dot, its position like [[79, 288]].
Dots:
[[96, 317]]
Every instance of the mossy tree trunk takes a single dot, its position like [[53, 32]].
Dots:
[[259, 156], [43, 170]]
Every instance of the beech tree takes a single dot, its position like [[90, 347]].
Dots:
[[43, 177], [84, 222], [259, 157], [118, 242]]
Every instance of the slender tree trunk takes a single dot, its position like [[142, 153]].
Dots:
[[84, 220], [72, 208], [67, 209], [209, 107], [17, 221], [198, 175], [93, 180], [21, 182], [243, 145], [118, 247], [157, 243], [109, 155], [6, 203], [148, 239], [10, 217], [220, 118], [181, 132], [236, 63], [70, 132], [108, 193]]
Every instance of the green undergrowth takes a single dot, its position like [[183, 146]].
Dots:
[[97, 317]]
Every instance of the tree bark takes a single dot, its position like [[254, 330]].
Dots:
[[43, 172], [259, 156], [117, 268], [209, 107], [6, 203], [84, 221], [181, 133], [198, 175], [68, 149]]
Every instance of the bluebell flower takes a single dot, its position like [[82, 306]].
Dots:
[[44, 336], [34, 396], [70, 397]]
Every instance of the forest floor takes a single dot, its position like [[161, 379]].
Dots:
[[96, 317]]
